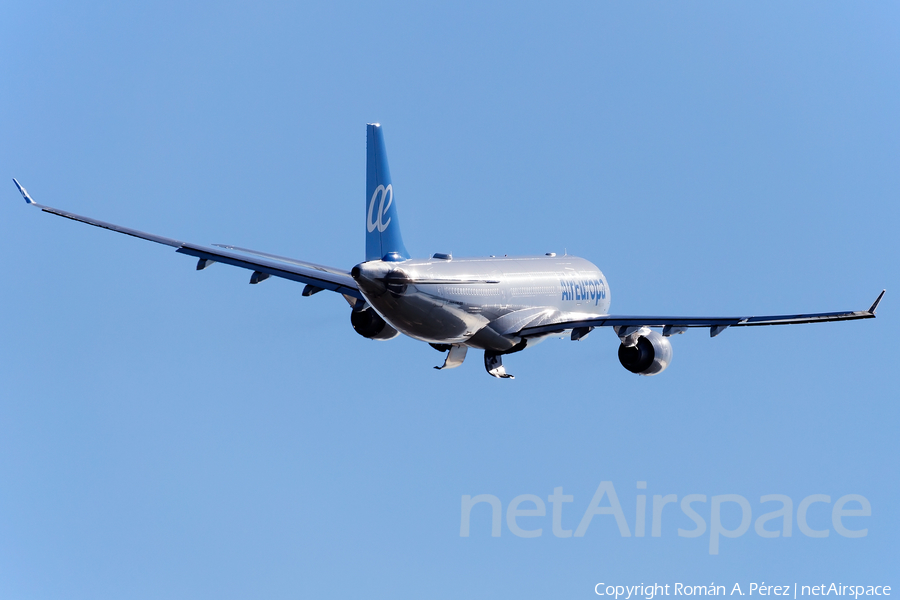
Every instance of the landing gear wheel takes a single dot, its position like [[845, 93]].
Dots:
[[493, 364]]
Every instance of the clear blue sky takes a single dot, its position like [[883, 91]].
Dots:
[[168, 433]]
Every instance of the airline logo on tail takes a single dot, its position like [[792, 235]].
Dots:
[[383, 240], [387, 198]]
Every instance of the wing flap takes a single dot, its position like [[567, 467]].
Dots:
[[332, 280], [284, 259], [716, 324], [112, 227]]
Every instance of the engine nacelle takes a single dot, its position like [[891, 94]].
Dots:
[[651, 355], [369, 324]]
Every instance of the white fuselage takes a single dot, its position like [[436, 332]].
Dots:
[[481, 302]]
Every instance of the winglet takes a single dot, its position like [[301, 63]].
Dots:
[[871, 310], [23, 192]]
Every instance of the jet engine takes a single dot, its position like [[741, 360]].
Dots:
[[650, 355], [369, 324]]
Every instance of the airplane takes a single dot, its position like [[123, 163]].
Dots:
[[500, 305]]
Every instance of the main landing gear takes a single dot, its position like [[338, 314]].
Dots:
[[455, 357], [493, 364], [456, 354]]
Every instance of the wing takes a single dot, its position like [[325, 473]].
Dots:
[[627, 324], [263, 265]]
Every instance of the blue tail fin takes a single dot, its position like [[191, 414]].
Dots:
[[383, 240]]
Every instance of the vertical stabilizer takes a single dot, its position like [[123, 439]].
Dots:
[[383, 239]]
